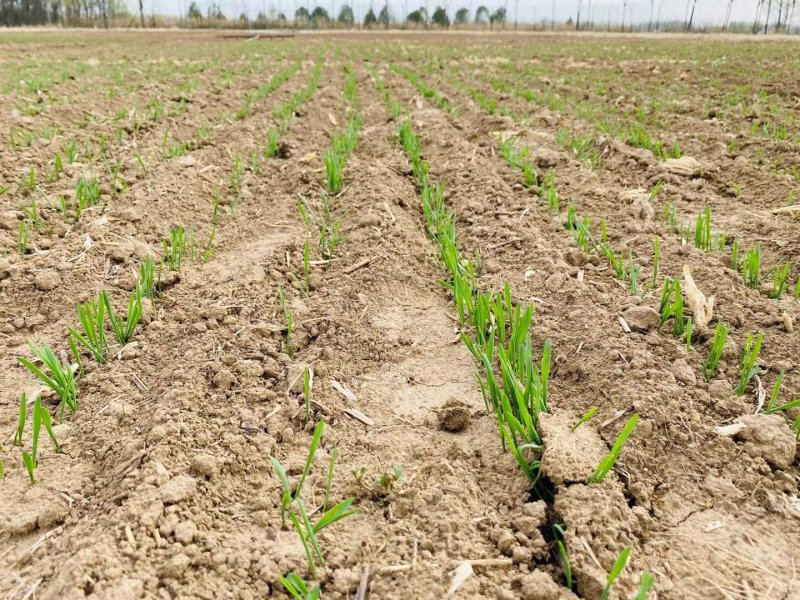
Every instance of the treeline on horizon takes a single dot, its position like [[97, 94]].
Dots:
[[772, 16]]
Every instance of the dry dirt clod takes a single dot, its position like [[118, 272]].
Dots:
[[769, 437], [454, 416], [178, 489], [641, 318], [46, 281]]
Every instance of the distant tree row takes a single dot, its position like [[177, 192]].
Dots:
[[60, 12]]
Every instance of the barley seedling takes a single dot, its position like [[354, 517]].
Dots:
[[619, 565], [603, 232], [41, 416], [308, 384], [329, 478], [209, 251], [123, 331], [23, 415], [772, 403], [735, 255], [711, 363], [608, 462], [671, 217], [22, 238], [671, 306], [236, 179], [2, 469], [327, 227], [656, 260], [272, 146], [307, 265], [797, 288], [558, 534], [299, 589], [146, 285], [702, 231], [688, 333], [779, 281], [751, 267], [334, 169], [585, 418], [634, 271], [747, 364], [175, 248], [656, 190], [289, 317], [644, 586], [87, 194], [92, 315]]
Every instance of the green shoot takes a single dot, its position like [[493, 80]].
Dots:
[[747, 365], [61, 378], [644, 586], [92, 315], [779, 281], [656, 190], [711, 363], [146, 286], [209, 251], [688, 333], [619, 565], [772, 403], [702, 230], [735, 255], [671, 306], [23, 414], [272, 146], [586, 416], [656, 260], [123, 331], [329, 478], [797, 288], [608, 462], [558, 534], [751, 267], [287, 314], [175, 248], [327, 227], [307, 265], [22, 238], [308, 383], [299, 589]]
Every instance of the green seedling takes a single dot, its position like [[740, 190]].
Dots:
[[797, 288], [22, 238], [87, 194], [92, 316], [634, 271], [656, 260], [779, 281], [585, 418], [299, 588], [2, 469], [308, 384], [289, 317], [329, 478], [608, 462], [711, 363], [702, 230], [656, 190], [23, 415], [735, 255], [671, 306], [41, 416], [334, 169], [689, 326], [307, 265], [236, 179], [209, 251], [272, 145], [558, 534], [645, 584], [323, 223], [175, 248], [747, 364], [123, 330], [619, 565], [772, 403], [751, 267], [146, 286], [61, 378]]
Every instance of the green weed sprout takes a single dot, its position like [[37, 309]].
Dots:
[[747, 364], [608, 462], [711, 363], [619, 565], [586, 416], [123, 330], [61, 378]]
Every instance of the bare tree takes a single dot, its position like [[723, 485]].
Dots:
[[141, 12], [691, 17], [766, 22], [578, 20], [727, 15]]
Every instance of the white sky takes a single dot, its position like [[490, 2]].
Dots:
[[706, 12]]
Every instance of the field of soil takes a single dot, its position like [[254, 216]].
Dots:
[[332, 379]]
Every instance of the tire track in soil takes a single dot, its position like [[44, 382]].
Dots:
[[673, 485]]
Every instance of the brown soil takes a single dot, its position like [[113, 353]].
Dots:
[[165, 488]]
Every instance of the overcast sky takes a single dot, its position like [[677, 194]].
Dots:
[[526, 11]]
